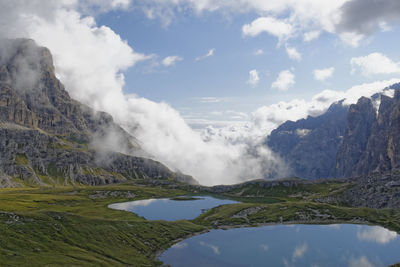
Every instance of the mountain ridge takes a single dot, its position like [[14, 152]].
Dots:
[[345, 141], [47, 138]]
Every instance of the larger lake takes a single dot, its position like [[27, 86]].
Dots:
[[289, 245], [171, 209]]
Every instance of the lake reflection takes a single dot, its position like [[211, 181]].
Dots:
[[169, 209], [289, 245]]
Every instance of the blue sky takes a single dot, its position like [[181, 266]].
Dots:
[[190, 86]]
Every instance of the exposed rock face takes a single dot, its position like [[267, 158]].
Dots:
[[32, 96], [372, 142], [310, 145], [47, 138], [360, 118], [345, 141]]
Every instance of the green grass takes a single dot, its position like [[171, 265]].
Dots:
[[64, 226], [21, 159], [304, 212], [72, 225]]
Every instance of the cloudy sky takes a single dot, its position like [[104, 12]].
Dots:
[[201, 83], [222, 60]]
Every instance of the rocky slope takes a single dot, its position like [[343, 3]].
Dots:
[[375, 190], [309, 146], [372, 139], [46, 137], [344, 141], [360, 118]]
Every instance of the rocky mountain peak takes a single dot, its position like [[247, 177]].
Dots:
[[344, 141], [24, 64], [46, 137], [360, 118], [309, 146]]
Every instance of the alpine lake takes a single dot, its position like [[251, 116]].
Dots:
[[270, 245], [139, 224]]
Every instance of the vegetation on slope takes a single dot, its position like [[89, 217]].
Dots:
[[64, 226], [73, 226]]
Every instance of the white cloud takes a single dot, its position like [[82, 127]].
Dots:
[[302, 15], [284, 81], [374, 63], [267, 118], [385, 27], [258, 52], [376, 234], [350, 20], [85, 55], [269, 25], [210, 53], [96, 6], [254, 78], [311, 35], [293, 53], [351, 38], [264, 247], [323, 74], [171, 60]]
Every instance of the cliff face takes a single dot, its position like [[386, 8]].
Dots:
[[46, 137], [373, 143], [345, 141], [309, 146], [32, 96], [360, 118]]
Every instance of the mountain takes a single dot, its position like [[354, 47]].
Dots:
[[309, 146], [46, 137], [345, 141], [372, 139]]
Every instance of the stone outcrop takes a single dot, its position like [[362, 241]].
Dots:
[[46, 137], [375, 190], [360, 118], [309, 146], [372, 139]]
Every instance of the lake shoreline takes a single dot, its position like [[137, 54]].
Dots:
[[158, 253]]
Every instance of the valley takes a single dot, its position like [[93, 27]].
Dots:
[[116, 179], [72, 225]]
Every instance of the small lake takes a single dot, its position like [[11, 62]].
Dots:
[[289, 245], [171, 209]]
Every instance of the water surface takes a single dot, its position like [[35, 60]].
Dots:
[[170, 209], [289, 245]]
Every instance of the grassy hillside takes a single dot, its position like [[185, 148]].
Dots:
[[72, 226]]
